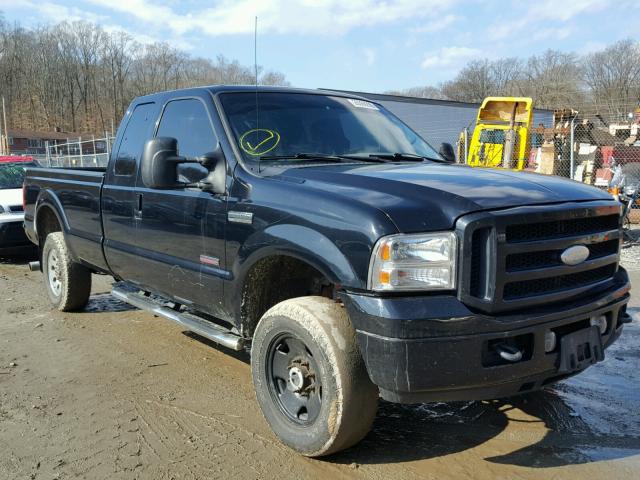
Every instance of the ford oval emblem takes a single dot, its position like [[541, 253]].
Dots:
[[575, 255]]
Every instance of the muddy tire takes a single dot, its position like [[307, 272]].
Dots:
[[68, 283], [309, 376]]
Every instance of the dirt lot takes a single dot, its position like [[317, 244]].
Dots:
[[116, 393]]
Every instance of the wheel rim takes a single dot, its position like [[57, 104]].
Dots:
[[294, 380], [53, 273]]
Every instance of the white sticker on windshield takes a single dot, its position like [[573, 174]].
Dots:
[[362, 104]]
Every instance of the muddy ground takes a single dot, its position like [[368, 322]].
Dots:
[[115, 393]]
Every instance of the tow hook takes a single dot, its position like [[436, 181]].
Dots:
[[625, 318], [509, 352]]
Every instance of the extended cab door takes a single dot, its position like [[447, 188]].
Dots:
[[119, 202], [181, 231]]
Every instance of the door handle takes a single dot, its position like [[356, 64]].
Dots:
[[137, 212]]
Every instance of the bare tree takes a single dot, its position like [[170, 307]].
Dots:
[[613, 76], [483, 78], [420, 92], [78, 77], [553, 79]]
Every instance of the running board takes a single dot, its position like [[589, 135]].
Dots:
[[191, 322]]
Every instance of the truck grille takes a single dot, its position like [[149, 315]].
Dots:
[[565, 228], [512, 258]]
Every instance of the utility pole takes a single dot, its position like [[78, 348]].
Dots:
[[571, 151], [6, 130], [2, 141]]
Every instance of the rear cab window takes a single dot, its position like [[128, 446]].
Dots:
[[136, 133]]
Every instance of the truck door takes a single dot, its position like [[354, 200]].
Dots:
[[118, 196], [181, 231]]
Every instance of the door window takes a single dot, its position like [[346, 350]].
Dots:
[[188, 122]]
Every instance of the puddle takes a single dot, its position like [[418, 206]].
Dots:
[[607, 395], [105, 302]]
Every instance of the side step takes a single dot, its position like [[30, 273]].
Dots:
[[191, 322]]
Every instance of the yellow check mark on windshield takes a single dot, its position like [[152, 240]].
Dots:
[[271, 135], [269, 143]]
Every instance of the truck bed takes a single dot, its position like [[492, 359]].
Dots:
[[75, 194]]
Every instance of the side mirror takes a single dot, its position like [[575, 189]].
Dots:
[[216, 163], [446, 152], [159, 162]]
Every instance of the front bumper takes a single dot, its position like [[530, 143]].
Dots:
[[433, 348], [13, 240]]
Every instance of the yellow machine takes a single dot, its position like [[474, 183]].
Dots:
[[500, 137]]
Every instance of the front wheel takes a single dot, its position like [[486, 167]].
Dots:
[[68, 283], [309, 376]]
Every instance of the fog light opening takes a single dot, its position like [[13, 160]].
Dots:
[[549, 341], [599, 321]]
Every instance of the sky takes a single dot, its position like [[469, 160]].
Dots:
[[364, 45]]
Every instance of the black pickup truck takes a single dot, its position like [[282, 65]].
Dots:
[[353, 259]]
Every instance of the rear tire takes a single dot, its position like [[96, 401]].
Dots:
[[327, 402], [68, 283]]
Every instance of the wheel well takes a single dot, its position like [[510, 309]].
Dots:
[[275, 279], [46, 223]]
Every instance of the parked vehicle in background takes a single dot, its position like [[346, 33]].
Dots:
[[13, 240], [354, 260]]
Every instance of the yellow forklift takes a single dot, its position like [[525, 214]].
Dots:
[[501, 135]]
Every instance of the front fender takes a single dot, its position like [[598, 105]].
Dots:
[[302, 243]]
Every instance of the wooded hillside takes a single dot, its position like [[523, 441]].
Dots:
[[78, 77]]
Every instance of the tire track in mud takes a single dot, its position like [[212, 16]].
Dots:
[[140, 400], [195, 444]]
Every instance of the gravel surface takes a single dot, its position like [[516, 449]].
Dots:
[[630, 252], [116, 393]]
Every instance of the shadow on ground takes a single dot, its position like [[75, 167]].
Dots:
[[21, 259], [404, 433]]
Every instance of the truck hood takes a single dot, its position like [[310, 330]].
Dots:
[[426, 196]]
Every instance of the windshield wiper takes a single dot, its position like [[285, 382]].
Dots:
[[302, 156], [403, 157], [315, 157]]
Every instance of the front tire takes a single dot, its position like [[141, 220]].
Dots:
[[68, 283], [309, 376]]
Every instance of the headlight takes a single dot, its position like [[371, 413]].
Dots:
[[425, 261]]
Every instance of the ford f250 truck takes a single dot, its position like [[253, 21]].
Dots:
[[353, 259]]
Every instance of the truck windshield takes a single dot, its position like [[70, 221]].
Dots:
[[289, 127], [12, 174]]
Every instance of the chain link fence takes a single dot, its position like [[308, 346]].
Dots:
[[93, 152]]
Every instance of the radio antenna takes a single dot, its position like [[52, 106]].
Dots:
[[255, 66], [255, 49]]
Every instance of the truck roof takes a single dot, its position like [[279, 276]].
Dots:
[[214, 89]]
